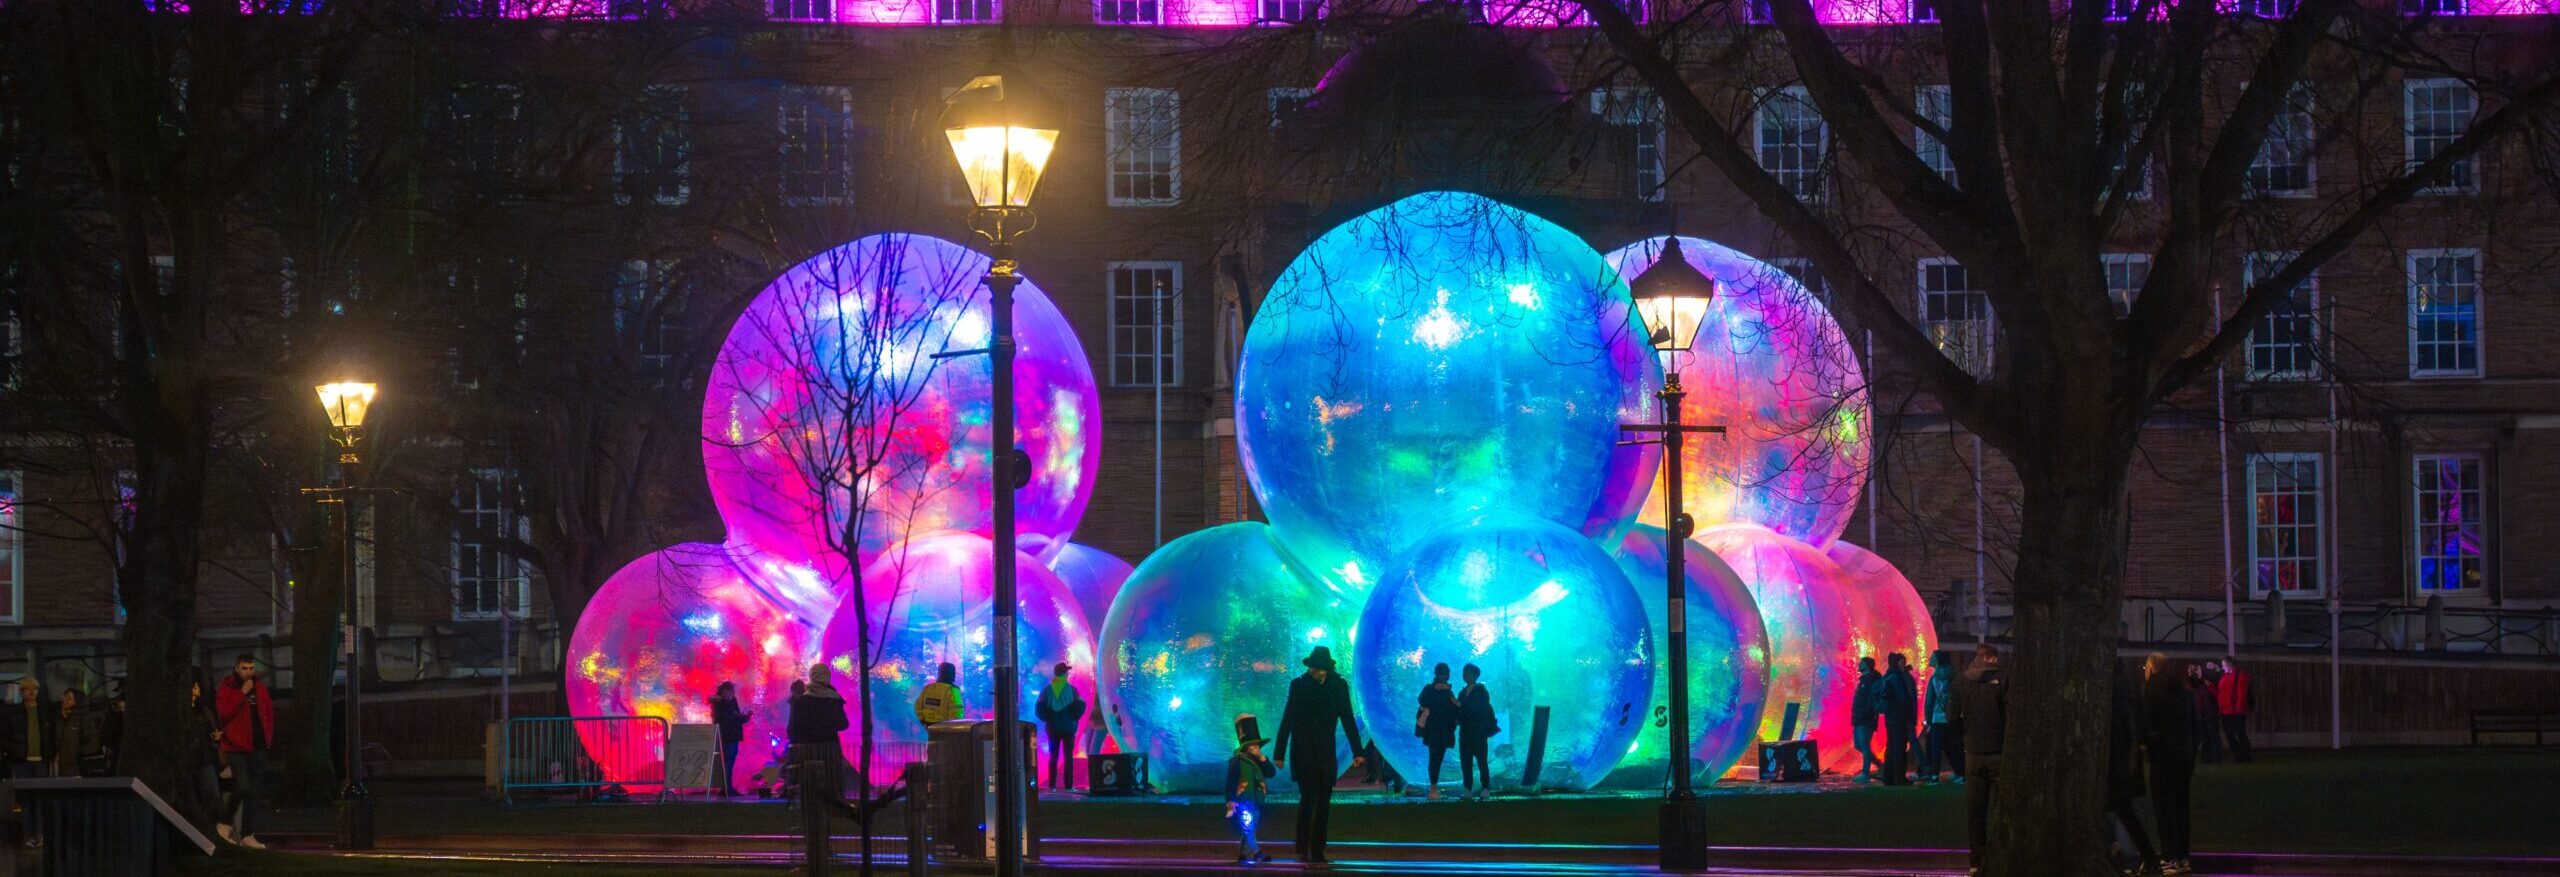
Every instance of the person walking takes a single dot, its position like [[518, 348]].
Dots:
[[2207, 732], [1318, 700], [1865, 709], [817, 718], [1061, 711], [1901, 716], [940, 700], [731, 719], [2168, 738], [1436, 721], [1981, 717], [1941, 750], [2232, 700], [244, 709], [2124, 772], [1476, 725], [31, 732], [1248, 780]]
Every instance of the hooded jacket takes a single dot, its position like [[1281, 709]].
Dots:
[[817, 715], [1981, 711]]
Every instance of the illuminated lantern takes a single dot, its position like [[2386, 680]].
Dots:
[[1438, 358], [1772, 367], [1889, 614], [1544, 613], [661, 636], [1728, 662], [1210, 626], [837, 367], [933, 601], [1811, 636], [1093, 575]]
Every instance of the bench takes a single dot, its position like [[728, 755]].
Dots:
[[2514, 722]]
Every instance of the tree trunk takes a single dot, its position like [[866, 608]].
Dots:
[[2047, 815], [158, 574], [308, 724]]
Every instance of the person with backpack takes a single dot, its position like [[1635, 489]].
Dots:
[[1436, 722], [1476, 725], [1061, 711]]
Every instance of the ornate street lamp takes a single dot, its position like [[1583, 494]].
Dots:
[[1672, 297], [346, 403], [1002, 143]]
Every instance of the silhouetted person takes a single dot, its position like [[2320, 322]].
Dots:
[[1981, 717], [1943, 751], [2124, 769], [1866, 707], [817, 718], [1061, 711], [1318, 700], [731, 719], [2232, 700], [1901, 716], [1436, 722], [2207, 732], [1476, 725], [2168, 737]]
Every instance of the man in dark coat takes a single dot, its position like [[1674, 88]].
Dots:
[[1318, 700], [2169, 738], [1981, 717], [2124, 770], [817, 718], [731, 719], [1901, 716], [1866, 706]]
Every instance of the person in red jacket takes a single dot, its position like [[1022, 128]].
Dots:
[[245, 709], [2231, 697]]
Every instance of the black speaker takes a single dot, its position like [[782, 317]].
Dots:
[[1118, 774], [1790, 761]]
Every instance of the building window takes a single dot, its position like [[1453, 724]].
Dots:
[[648, 312], [329, 134], [488, 578], [13, 329], [2452, 522], [13, 544], [1791, 142], [2126, 273], [1958, 315], [964, 11], [1757, 12], [1288, 10], [1128, 12], [1287, 102], [804, 10], [1146, 324], [814, 152], [2264, 8], [1931, 102], [2284, 345], [482, 132], [2285, 523], [1924, 11], [2128, 168], [2283, 167], [2435, 7], [2444, 313], [1636, 115], [2119, 10], [1145, 143], [2436, 112], [1802, 272], [653, 149]]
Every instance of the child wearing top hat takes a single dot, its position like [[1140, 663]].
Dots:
[[1248, 778]]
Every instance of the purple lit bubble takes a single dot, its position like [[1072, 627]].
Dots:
[[1093, 575]]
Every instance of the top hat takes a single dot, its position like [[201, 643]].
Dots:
[[1319, 659], [1249, 730]]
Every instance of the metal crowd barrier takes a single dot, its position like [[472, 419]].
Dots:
[[582, 754]]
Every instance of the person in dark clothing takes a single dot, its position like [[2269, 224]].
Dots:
[[204, 746], [817, 717], [2168, 738], [1318, 700], [2207, 732], [732, 722], [1436, 722], [1476, 725], [1061, 711], [1942, 752], [1248, 780], [31, 732], [1981, 717], [2124, 771], [245, 707], [1866, 707], [1901, 715]]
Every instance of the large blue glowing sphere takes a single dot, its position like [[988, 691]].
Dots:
[[1434, 360], [1212, 625], [1544, 613], [1728, 661]]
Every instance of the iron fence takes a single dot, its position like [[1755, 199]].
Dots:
[[582, 754]]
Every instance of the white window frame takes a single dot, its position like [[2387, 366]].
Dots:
[[1935, 103], [2126, 273], [1163, 155], [1166, 355], [801, 10], [1139, 13], [968, 11], [1294, 97], [1808, 182], [2294, 127], [2425, 534], [2435, 7], [2309, 295], [1922, 12], [1637, 111], [807, 147], [1277, 11], [2466, 174], [2317, 559], [2478, 311], [477, 480], [681, 125], [1801, 270], [1969, 343], [13, 544]]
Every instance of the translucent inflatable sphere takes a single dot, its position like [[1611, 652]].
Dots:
[[1544, 613], [661, 636], [1433, 360], [1811, 638], [1772, 366], [1728, 662], [1211, 626], [830, 378], [1093, 575], [943, 609], [1889, 615]]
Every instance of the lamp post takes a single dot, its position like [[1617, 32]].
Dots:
[[1002, 145], [1672, 297], [346, 403]]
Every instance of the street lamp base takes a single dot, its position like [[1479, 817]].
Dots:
[[1683, 843], [355, 822]]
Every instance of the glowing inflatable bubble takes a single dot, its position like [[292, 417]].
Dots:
[[1548, 617], [1773, 367], [943, 609], [1093, 575], [832, 370], [1728, 662], [1436, 359], [1889, 615], [1211, 625], [1812, 644], [661, 636]]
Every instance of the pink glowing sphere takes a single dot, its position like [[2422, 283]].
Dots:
[[665, 631], [1728, 660], [931, 600], [1773, 368], [1812, 634], [835, 391], [1891, 617], [1093, 575]]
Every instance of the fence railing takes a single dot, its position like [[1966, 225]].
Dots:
[[582, 754], [2519, 632]]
